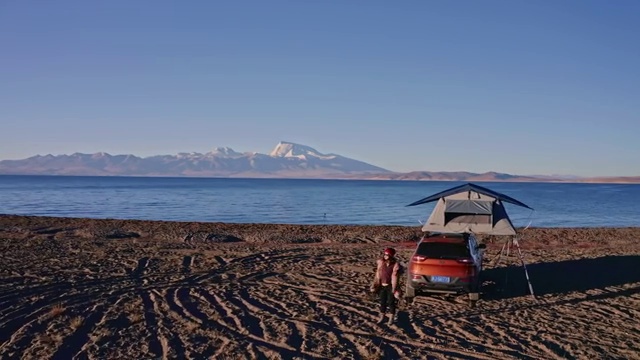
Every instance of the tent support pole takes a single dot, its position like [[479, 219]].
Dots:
[[496, 261], [526, 273], [504, 252], [507, 254]]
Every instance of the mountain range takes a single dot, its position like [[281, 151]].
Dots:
[[286, 160]]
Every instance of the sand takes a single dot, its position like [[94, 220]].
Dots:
[[124, 289]]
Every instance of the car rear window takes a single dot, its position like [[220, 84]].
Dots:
[[443, 250]]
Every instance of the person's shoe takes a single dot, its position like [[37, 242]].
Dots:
[[381, 319]]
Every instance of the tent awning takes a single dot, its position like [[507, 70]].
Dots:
[[470, 187]]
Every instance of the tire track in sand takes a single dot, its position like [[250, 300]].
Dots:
[[151, 319], [171, 343], [228, 323], [73, 344], [22, 338]]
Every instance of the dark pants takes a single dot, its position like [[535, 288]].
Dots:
[[387, 300]]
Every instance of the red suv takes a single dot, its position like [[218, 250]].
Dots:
[[445, 264]]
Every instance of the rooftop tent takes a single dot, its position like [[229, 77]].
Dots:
[[470, 208]]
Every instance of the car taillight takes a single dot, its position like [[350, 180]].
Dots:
[[419, 258], [465, 261]]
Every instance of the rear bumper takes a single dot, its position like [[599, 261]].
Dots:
[[440, 288], [422, 286]]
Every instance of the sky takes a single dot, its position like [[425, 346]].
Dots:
[[521, 87]]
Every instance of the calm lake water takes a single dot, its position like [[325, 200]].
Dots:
[[304, 201]]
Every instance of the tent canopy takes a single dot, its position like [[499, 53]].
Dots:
[[470, 208], [468, 187]]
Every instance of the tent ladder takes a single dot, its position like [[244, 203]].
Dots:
[[504, 252]]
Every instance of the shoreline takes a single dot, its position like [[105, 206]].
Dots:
[[598, 180], [265, 233]]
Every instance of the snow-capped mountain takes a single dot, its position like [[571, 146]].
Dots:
[[287, 159], [225, 152], [291, 150]]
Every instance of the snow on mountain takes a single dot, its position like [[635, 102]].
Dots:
[[100, 155], [225, 152], [219, 152], [291, 150], [185, 155]]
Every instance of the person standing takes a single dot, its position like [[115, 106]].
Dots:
[[386, 281]]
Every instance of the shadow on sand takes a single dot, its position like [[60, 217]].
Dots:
[[561, 277]]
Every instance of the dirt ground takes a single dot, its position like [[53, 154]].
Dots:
[[125, 289]]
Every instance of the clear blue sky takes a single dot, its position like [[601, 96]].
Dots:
[[523, 87]]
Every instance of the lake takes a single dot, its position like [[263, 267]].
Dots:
[[298, 201]]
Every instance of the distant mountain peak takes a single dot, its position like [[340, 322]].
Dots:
[[288, 149], [225, 152], [100, 155]]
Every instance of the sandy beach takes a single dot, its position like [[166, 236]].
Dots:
[[127, 289]]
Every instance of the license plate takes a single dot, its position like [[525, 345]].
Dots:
[[440, 279]]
